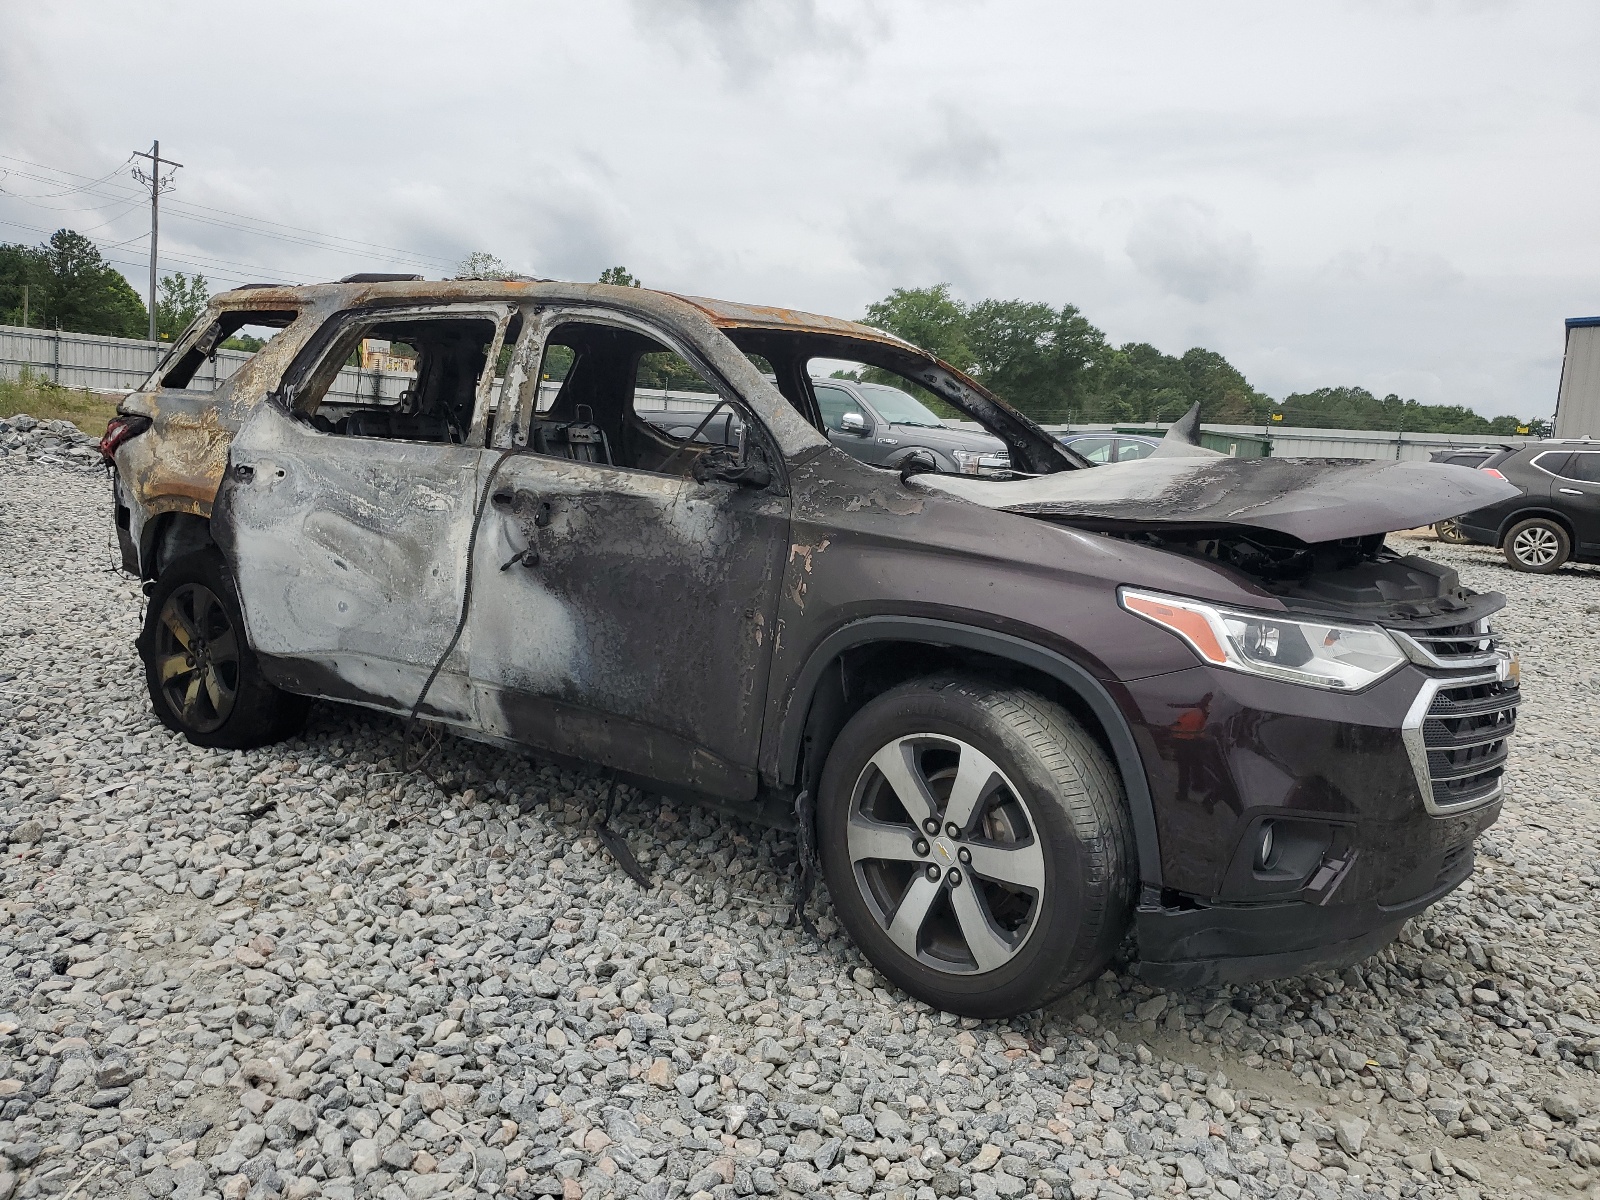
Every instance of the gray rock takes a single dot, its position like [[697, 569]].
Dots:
[[1350, 1133], [364, 1157], [1563, 1106], [295, 1114], [249, 1140], [891, 1124], [190, 1181]]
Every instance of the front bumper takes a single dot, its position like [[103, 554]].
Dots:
[[1203, 945], [1374, 806]]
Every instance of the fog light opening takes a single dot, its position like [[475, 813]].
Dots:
[[1265, 856]]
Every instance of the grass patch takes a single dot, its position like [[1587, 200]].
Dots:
[[40, 398]]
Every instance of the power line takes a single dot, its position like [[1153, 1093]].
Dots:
[[408, 255], [199, 261], [80, 188]]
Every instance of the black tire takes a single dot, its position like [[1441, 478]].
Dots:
[[216, 697], [1049, 775], [1538, 545], [1450, 532]]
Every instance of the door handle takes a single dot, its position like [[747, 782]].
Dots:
[[502, 498], [1571, 492], [244, 472]]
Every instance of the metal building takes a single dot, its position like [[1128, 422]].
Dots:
[[1578, 402]]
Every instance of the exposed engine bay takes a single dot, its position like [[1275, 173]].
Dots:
[[1357, 576]]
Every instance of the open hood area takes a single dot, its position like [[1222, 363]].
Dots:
[[1310, 499]]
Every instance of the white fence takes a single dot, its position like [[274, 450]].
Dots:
[[1296, 442], [1299, 442], [110, 364]]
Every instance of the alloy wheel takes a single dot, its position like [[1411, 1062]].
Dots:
[[1536, 546], [197, 657], [946, 854]]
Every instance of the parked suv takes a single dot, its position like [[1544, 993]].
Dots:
[[1461, 456], [1555, 516], [1196, 695]]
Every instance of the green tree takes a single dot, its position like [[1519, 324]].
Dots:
[[618, 276], [480, 264], [927, 317], [180, 299], [1036, 357], [1054, 365], [85, 294], [22, 274]]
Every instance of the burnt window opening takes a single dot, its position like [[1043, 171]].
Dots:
[[436, 398], [800, 359], [619, 398], [240, 330]]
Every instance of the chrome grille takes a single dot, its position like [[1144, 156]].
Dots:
[[1459, 739], [1452, 646]]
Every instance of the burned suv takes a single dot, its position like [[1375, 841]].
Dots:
[[1193, 696]]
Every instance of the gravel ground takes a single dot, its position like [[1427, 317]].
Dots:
[[294, 972]]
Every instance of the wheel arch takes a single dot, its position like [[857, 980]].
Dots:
[[168, 535], [901, 648], [1554, 515]]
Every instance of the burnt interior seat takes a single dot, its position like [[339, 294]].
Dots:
[[581, 441], [400, 426]]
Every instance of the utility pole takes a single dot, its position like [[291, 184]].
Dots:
[[157, 186]]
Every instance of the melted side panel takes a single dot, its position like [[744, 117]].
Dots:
[[177, 464], [350, 554], [640, 635]]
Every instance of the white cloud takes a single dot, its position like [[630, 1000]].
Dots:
[[1182, 246], [1395, 196]]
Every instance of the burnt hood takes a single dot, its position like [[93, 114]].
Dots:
[[1312, 499]]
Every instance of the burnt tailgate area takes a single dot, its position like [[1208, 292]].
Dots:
[[298, 967]]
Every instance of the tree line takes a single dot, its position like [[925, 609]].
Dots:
[[1051, 363], [1057, 367], [65, 283]]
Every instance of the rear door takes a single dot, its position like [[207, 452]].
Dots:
[[346, 517]]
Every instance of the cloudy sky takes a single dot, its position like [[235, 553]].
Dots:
[[1399, 195]]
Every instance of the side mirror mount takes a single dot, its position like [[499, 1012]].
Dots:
[[854, 422], [725, 464]]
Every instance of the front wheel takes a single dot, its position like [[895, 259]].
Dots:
[[1538, 545], [1450, 532], [203, 678], [976, 843]]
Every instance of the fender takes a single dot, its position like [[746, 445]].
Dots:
[[1014, 649], [1526, 514]]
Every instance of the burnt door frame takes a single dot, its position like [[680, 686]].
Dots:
[[620, 616], [350, 552]]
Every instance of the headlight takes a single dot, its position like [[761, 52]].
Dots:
[[1315, 653], [976, 462]]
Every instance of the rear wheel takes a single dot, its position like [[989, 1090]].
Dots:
[[976, 844], [203, 678], [1538, 544]]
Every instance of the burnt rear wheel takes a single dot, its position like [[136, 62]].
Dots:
[[976, 844], [204, 680], [197, 657]]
